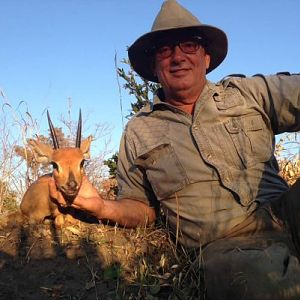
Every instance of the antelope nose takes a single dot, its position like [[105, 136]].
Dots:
[[72, 185]]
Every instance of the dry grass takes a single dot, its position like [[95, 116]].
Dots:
[[94, 261], [287, 151]]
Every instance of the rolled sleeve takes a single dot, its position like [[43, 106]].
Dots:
[[279, 95], [132, 182]]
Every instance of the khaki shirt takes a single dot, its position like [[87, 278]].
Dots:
[[210, 170]]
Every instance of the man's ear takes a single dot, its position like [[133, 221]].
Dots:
[[207, 61]]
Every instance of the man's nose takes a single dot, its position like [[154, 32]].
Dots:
[[177, 53]]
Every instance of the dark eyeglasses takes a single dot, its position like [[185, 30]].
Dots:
[[188, 45]]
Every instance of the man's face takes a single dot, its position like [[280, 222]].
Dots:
[[180, 66]]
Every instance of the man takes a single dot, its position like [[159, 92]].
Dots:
[[205, 153]]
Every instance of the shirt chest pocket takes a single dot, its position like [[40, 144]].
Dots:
[[163, 170], [251, 139]]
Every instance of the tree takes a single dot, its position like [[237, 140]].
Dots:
[[142, 90], [137, 86], [111, 163]]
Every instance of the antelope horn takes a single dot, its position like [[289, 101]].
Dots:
[[78, 134], [52, 131]]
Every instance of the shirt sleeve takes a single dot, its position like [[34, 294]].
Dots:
[[278, 95], [132, 182]]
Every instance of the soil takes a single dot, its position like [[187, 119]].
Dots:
[[84, 261]]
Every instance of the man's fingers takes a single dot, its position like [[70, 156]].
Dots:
[[75, 206], [85, 199], [55, 194], [52, 188], [87, 189]]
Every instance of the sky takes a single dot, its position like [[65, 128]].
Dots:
[[56, 52]]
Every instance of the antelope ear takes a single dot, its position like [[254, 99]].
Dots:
[[85, 147], [42, 152]]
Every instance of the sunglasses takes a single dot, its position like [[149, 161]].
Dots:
[[188, 45]]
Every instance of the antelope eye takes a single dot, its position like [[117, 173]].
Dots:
[[82, 164], [54, 165]]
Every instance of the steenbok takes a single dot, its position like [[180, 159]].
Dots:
[[68, 171]]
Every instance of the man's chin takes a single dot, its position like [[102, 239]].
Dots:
[[181, 87]]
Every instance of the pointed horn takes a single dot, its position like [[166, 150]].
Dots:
[[52, 131], [78, 134]]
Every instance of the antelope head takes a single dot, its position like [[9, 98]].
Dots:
[[67, 162]]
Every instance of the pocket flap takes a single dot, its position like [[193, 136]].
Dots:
[[163, 170], [233, 126]]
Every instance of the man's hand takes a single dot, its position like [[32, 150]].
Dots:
[[125, 212], [87, 200]]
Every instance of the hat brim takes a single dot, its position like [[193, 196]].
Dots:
[[141, 61]]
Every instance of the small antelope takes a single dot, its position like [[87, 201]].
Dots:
[[67, 172]]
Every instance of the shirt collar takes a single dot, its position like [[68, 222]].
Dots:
[[208, 90]]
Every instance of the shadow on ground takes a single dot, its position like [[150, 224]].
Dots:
[[86, 261]]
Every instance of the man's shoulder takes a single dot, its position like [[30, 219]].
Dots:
[[235, 80], [228, 79], [139, 118], [242, 83], [143, 112]]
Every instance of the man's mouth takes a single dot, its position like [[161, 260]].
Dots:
[[179, 71]]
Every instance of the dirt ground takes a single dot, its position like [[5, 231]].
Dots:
[[86, 261]]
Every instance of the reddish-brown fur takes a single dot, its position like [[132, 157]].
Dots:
[[67, 173]]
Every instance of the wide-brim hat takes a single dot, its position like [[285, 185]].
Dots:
[[173, 17]]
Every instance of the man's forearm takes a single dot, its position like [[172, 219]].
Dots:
[[127, 212]]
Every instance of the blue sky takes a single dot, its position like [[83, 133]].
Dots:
[[53, 50]]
